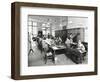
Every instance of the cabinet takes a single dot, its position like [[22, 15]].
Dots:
[[62, 34], [75, 31]]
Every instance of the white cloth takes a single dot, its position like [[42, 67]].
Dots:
[[48, 41], [81, 48], [45, 45], [68, 42]]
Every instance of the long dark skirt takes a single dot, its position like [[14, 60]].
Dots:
[[74, 55]]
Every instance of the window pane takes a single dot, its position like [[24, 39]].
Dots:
[[30, 23], [34, 23], [29, 29], [35, 30]]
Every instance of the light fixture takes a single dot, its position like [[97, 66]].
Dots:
[[43, 24], [70, 22]]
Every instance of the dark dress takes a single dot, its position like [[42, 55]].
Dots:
[[74, 55]]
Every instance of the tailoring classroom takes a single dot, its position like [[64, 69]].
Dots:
[[57, 40]]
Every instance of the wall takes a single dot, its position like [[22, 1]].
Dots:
[[79, 22], [5, 41], [75, 22]]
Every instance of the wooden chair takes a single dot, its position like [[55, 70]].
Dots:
[[49, 55]]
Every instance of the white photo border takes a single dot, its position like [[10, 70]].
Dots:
[[39, 70]]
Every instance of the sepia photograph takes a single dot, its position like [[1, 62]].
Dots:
[[57, 40]]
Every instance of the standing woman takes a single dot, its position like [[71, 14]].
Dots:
[[39, 41]]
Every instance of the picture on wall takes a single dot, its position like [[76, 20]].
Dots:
[[53, 40], [57, 40]]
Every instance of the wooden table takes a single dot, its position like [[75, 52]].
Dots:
[[56, 48]]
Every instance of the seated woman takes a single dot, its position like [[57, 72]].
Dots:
[[81, 47], [72, 53], [48, 53], [68, 41]]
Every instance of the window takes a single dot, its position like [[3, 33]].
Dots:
[[32, 27]]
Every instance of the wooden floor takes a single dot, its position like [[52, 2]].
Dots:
[[37, 59]]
